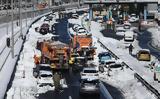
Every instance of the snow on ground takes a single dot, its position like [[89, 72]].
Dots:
[[123, 80], [24, 85], [118, 48], [155, 36]]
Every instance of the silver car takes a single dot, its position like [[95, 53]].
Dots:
[[89, 87]]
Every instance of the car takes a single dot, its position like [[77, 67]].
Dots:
[[45, 78], [133, 18], [144, 55], [44, 74], [120, 31], [104, 57], [44, 29], [89, 87], [129, 35], [75, 16], [76, 26], [126, 25], [89, 73], [38, 68]]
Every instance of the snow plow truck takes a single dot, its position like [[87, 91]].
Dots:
[[54, 53], [82, 46]]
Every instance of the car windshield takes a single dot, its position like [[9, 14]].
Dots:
[[90, 71]]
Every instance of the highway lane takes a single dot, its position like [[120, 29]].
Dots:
[[72, 79]]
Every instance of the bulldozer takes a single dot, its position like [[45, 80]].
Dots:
[[54, 53]]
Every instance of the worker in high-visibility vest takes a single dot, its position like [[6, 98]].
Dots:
[[36, 59]]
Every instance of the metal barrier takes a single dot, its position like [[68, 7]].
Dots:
[[104, 91]]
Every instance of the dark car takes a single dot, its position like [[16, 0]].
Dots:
[[44, 29]]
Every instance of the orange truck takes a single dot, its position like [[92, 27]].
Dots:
[[82, 44], [54, 53]]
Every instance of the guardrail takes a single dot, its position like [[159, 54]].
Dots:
[[104, 91], [136, 75]]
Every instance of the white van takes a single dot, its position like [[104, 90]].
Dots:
[[129, 36]]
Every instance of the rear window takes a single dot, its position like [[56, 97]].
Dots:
[[90, 71], [92, 81], [47, 68], [45, 75], [144, 52]]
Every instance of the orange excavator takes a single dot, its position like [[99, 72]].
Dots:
[[54, 53]]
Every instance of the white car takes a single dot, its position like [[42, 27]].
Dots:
[[45, 78], [126, 25], [89, 87], [89, 73], [129, 36], [120, 31], [133, 18]]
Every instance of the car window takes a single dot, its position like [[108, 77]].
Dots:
[[144, 52], [90, 71]]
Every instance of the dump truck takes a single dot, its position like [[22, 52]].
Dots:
[[54, 53]]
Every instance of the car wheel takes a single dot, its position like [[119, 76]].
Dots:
[[101, 69], [35, 74], [155, 79]]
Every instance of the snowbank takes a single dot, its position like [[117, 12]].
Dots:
[[155, 37]]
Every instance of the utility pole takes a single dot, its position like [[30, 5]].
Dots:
[[12, 34], [26, 11], [7, 24], [20, 17]]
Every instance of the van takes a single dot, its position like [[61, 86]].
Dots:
[[129, 36]]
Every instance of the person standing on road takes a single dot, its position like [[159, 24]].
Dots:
[[130, 48], [56, 79]]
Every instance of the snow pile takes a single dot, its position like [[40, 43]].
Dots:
[[155, 37], [24, 85], [122, 79]]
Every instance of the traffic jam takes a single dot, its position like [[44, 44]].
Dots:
[[66, 55]]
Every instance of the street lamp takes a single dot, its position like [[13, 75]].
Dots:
[[26, 11], [7, 25], [12, 33], [20, 17]]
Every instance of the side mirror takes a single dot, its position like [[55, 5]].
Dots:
[[8, 42]]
